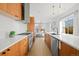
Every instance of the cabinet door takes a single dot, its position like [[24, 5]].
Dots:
[[66, 50], [3, 53], [24, 46], [14, 50], [30, 25], [48, 40], [12, 9], [19, 11], [77, 52], [3, 7], [15, 10], [19, 49]]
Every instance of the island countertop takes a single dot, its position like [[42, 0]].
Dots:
[[71, 40]]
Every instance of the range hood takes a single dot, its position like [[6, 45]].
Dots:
[[25, 13]]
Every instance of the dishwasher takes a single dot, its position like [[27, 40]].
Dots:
[[30, 41], [54, 46]]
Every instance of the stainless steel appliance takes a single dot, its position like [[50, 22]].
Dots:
[[54, 46]]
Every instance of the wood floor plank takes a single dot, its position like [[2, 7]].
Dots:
[[39, 48]]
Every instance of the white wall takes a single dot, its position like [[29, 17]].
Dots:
[[40, 11], [76, 23], [8, 24], [59, 12], [75, 11], [44, 12]]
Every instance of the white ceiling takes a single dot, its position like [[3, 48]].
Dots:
[[44, 12], [60, 8]]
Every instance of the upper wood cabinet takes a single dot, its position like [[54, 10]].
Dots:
[[20, 11], [30, 25], [14, 9], [3, 7]]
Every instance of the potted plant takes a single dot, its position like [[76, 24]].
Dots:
[[12, 33]]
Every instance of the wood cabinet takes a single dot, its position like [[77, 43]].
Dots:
[[18, 49], [3, 7], [67, 50], [31, 25], [24, 47], [13, 51], [48, 40], [13, 9], [3, 53], [17, 11]]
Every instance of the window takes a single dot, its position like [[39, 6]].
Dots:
[[69, 24], [66, 24]]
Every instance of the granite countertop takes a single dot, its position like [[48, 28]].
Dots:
[[71, 40], [6, 43]]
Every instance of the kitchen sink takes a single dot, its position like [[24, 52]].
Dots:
[[24, 34], [54, 34]]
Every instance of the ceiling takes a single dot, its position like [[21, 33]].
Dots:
[[59, 8], [44, 12]]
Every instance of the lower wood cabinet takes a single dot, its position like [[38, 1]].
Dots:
[[13, 51], [24, 47], [19, 49], [3, 53], [48, 40], [67, 50]]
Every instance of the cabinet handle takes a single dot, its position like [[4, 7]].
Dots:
[[3, 52], [8, 49], [59, 45]]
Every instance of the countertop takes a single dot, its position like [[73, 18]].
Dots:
[[6, 43], [71, 40]]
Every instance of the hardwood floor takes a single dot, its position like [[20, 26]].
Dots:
[[39, 48]]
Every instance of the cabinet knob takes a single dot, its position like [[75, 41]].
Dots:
[[8, 49], [3, 52]]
